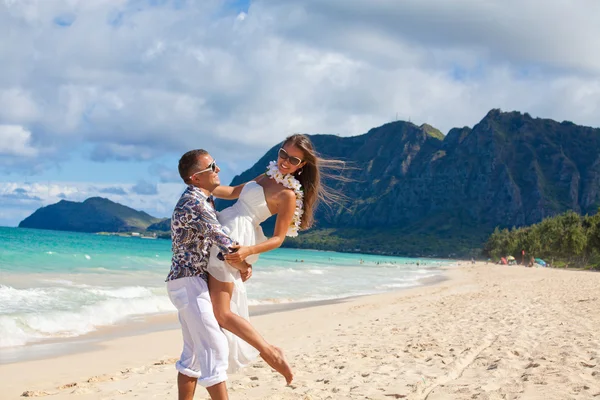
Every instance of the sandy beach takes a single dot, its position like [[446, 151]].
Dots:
[[487, 332]]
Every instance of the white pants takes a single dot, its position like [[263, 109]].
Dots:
[[205, 349]]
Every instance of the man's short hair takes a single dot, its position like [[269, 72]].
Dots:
[[189, 161]]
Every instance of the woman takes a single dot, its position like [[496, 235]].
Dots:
[[290, 189]]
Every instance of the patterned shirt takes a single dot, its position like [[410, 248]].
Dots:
[[194, 230]]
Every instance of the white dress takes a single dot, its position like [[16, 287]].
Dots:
[[242, 222]]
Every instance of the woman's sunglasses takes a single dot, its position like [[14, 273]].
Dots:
[[211, 167], [285, 156]]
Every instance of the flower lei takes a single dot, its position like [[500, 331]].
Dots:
[[289, 182]]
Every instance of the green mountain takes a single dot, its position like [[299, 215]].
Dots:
[[416, 192], [95, 214]]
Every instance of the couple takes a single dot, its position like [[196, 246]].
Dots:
[[211, 258]]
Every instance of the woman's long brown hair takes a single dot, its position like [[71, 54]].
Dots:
[[310, 177]]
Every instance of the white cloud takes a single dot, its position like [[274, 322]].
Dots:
[[115, 151], [16, 141], [144, 188], [164, 173], [133, 80], [17, 106], [548, 33]]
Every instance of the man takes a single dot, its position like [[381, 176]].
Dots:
[[194, 230]]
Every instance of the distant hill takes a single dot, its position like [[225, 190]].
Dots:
[[164, 225], [95, 214]]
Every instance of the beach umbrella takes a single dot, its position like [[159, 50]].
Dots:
[[510, 258]]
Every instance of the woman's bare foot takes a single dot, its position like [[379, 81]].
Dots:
[[276, 360]]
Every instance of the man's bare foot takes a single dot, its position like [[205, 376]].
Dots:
[[276, 360]]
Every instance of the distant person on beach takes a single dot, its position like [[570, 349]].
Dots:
[[289, 189], [195, 230]]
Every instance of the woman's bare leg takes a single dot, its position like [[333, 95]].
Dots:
[[220, 295]]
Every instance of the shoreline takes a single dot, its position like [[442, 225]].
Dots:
[[146, 324], [486, 332]]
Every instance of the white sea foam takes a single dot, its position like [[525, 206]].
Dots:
[[254, 302], [11, 334], [316, 271], [64, 282], [123, 293], [279, 271], [396, 285], [28, 315]]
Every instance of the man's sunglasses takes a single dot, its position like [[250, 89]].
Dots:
[[211, 167], [285, 156]]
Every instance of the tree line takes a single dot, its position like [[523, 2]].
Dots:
[[568, 240]]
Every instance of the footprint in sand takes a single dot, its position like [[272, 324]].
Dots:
[[68, 385], [103, 378], [82, 390], [35, 393], [167, 361]]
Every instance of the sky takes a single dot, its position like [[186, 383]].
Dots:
[[102, 97]]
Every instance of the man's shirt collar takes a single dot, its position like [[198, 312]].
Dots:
[[198, 192]]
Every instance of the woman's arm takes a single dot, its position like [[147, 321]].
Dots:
[[228, 192], [285, 214]]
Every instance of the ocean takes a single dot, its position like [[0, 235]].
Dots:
[[65, 284]]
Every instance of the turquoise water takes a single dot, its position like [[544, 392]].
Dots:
[[65, 284]]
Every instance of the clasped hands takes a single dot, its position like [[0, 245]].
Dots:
[[236, 260]]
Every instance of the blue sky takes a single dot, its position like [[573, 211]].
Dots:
[[102, 97]]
